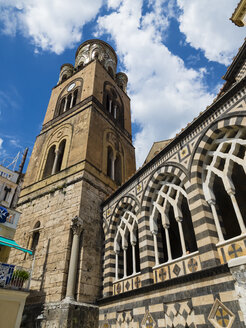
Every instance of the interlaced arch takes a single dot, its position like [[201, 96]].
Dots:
[[124, 231], [224, 181], [166, 203]]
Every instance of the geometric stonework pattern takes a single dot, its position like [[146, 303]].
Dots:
[[176, 270], [148, 321], [235, 250], [192, 265], [184, 153], [179, 315], [105, 325], [125, 319], [220, 315]]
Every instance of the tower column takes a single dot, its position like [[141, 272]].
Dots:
[[57, 152], [76, 225]]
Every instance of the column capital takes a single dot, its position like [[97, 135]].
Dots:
[[166, 225], [179, 219], [77, 225], [211, 201]]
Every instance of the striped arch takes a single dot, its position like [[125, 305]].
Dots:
[[154, 184], [127, 208], [127, 203], [206, 139]]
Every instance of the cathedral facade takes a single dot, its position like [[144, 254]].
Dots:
[[161, 247]]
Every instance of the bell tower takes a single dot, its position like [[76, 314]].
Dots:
[[82, 154]]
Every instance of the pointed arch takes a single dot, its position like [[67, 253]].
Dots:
[[166, 203], [219, 170], [59, 141]]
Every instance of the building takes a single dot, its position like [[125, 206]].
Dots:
[[10, 185], [82, 154], [171, 252], [239, 15], [14, 280]]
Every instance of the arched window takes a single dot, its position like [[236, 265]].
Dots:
[[113, 104], [60, 155], [118, 170], [75, 95], [171, 223], [110, 163], [108, 103], [35, 237], [126, 241], [54, 159], [64, 77], [62, 106], [49, 162], [69, 99], [224, 182]]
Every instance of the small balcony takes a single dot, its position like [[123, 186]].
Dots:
[[14, 277]]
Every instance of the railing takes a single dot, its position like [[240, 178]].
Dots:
[[14, 277]]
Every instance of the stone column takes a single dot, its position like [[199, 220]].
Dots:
[[238, 270], [133, 243], [76, 225], [156, 248], [57, 152], [216, 219], [117, 265], [169, 252], [181, 234], [237, 210], [125, 261]]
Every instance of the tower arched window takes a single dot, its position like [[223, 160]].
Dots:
[[62, 106], [118, 170], [171, 223], [127, 243], [35, 237], [224, 182], [54, 159], [49, 162], [75, 95], [113, 104], [69, 101], [110, 163]]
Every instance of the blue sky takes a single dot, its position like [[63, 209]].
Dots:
[[174, 53]]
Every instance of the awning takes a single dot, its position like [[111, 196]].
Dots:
[[12, 243]]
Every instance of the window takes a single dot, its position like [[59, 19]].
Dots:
[[171, 223], [49, 162], [68, 101], [113, 104], [126, 247], [110, 163], [62, 107], [35, 237], [114, 166], [118, 170], [224, 182], [54, 159]]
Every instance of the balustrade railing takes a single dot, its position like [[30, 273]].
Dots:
[[14, 277]]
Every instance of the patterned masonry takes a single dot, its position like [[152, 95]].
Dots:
[[185, 213], [165, 248]]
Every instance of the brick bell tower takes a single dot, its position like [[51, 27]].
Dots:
[[82, 154]]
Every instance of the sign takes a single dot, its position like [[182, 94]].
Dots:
[[3, 214]]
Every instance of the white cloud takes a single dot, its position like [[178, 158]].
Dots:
[[52, 25], [1, 142], [206, 26], [165, 94]]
